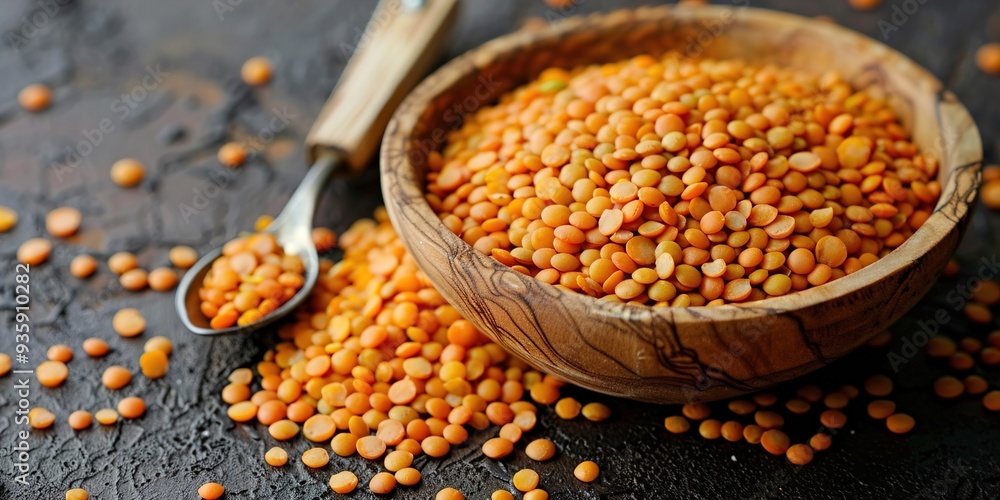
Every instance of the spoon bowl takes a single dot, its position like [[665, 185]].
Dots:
[[293, 231]]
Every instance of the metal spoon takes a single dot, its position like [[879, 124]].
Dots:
[[398, 48]]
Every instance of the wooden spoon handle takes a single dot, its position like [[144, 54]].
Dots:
[[393, 53]]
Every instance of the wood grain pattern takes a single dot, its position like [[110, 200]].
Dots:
[[396, 49], [672, 355]]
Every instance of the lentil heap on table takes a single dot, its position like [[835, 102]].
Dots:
[[683, 182]]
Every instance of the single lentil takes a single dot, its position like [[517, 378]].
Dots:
[[211, 491], [127, 172], [586, 471], [82, 266], [63, 222], [343, 482]]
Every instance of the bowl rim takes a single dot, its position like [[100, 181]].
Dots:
[[937, 227]]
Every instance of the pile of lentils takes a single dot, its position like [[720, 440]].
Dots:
[[682, 182]]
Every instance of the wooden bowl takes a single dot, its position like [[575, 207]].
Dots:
[[675, 355]]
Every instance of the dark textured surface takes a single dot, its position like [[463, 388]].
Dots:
[[94, 52]]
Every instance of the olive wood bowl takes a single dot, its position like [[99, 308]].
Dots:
[[667, 354]]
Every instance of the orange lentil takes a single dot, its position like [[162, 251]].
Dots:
[[586, 471], [121, 262], [768, 419], [77, 494], [315, 458], [710, 429], [162, 279], [256, 71], [154, 364], [232, 154], [276, 457], [35, 97], [700, 182], [40, 418], [900, 423], [63, 222], [540, 450], [79, 420], [676, 424], [753, 433], [988, 58], [182, 256], [775, 442], [131, 407], [449, 494], [382, 483], [833, 419], [34, 251], [525, 480], [975, 385], [732, 431], [134, 279], [799, 454], [948, 387], [343, 482], [51, 373], [498, 448], [696, 411], [60, 352], [106, 416], [244, 411], [211, 491], [878, 386], [128, 322], [820, 442], [408, 476], [83, 266], [881, 408], [940, 347], [127, 172], [8, 219], [992, 401], [596, 412]]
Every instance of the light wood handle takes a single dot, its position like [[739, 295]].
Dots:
[[395, 51]]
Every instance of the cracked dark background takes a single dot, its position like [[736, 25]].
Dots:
[[95, 53]]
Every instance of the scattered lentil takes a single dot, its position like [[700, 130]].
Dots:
[[162, 279], [586, 471], [343, 482], [900, 423], [127, 172], [182, 256], [95, 348], [211, 491], [128, 323], [8, 219], [256, 71], [35, 97], [34, 251], [40, 418], [232, 154], [51, 373], [525, 480], [82, 266], [276, 457], [63, 222]]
